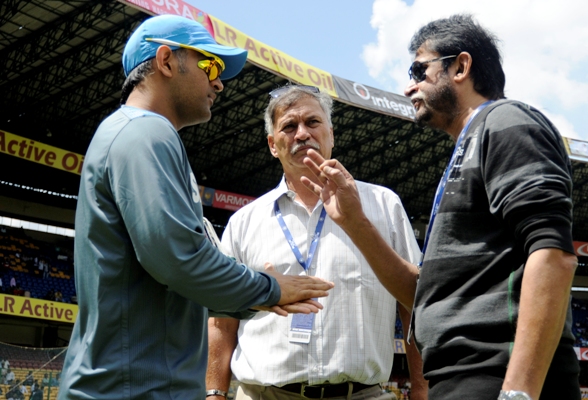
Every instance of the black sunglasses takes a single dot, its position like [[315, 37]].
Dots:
[[280, 91], [418, 69]]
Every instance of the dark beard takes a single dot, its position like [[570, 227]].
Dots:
[[442, 102]]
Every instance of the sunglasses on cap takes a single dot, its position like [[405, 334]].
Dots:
[[213, 68], [280, 91], [418, 69]]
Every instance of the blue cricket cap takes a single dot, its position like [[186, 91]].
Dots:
[[181, 30]]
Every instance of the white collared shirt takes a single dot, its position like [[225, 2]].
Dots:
[[353, 336]]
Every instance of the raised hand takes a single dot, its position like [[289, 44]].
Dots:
[[335, 186], [337, 189]]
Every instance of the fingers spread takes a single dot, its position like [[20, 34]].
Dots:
[[326, 170], [315, 157], [314, 161], [312, 165], [337, 165], [310, 185], [335, 175]]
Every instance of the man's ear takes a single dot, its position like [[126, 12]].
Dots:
[[464, 66], [272, 145], [163, 60]]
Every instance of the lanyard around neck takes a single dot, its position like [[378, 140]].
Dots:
[[444, 179], [315, 238]]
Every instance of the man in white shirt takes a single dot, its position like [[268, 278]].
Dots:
[[346, 350], [9, 377], [23, 390]]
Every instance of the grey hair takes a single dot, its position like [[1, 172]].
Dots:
[[291, 96], [143, 70], [136, 76]]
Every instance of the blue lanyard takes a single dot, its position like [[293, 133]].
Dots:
[[315, 239], [443, 182]]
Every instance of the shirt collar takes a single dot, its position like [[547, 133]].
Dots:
[[281, 190]]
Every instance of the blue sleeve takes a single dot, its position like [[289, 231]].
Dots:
[[157, 196]]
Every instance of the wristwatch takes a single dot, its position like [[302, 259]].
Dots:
[[513, 395], [216, 392]]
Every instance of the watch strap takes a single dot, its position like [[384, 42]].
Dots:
[[513, 395], [216, 392]]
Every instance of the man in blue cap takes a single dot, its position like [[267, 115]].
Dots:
[[146, 273]]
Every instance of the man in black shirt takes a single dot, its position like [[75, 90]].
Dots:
[[492, 312]]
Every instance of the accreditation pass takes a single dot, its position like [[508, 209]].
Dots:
[[301, 328]]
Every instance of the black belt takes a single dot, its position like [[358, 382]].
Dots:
[[324, 391]]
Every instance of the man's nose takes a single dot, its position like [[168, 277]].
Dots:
[[302, 132], [217, 85], [410, 88]]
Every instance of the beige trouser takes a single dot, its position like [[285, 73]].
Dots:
[[256, 392]]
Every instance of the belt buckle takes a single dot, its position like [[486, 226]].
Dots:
[[303, 389]]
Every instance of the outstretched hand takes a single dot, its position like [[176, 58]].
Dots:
[[301, 307], [298, 293], [334, 186]]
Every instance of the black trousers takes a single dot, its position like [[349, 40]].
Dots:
[[561, 382]]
